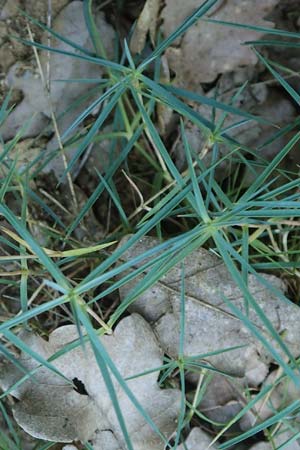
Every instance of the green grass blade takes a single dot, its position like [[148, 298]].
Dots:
[[105, 363], [264, 30], [199, 203], [271, 43], [93, 29], [203, 9], [96, 103], [21, 318], [204, 100], [237, 277], [260, 180], [28, 350], [26, 236], [109, 174], [53, 33], [92, 59], [95, 128], [262, 426], [291, 91]]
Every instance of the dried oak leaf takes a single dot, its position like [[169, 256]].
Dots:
[[51, 408], [207, 49], [210, 325]]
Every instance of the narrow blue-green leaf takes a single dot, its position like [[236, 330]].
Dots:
[[203, 9], [98, 81], [180, 358], [182, 312], [128, 55], [233, 99], [92, 59], [221, 245], [109, 174], [105, 362], [7, 180], [294, 184], [8, 355], [95, 127], [21, 318], [180, 424], [5, 110], [155, 369], [262, 426], [45, 207], [260, 180], [29, 351], [213, 103], [156, 138], [176, 103], [245, 256], [58, 36], [264, 30], [282, 132], [103, 367], [199, 206], [46, 446], [116, 200], [10, 146], [93, 29], [271, 43], [79, 119], [291, 91], [254, 330], [35, 247], [17, 443], [287, 443]]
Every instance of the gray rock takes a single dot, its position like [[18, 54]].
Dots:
[[197, 440], [206, 49]]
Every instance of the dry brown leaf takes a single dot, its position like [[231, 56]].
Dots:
[[210, 326], [49, 408], [146, 22]]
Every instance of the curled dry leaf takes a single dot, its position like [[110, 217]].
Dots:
[[50, 408], [207, 49], [210, 325], [146, 22]]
